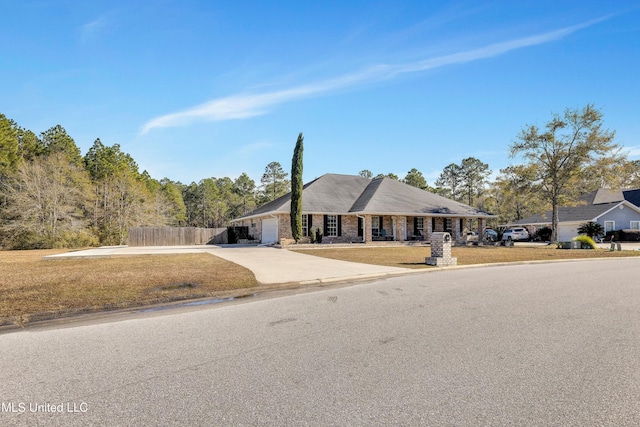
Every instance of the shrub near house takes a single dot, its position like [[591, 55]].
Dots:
[[623, 236], [586, 242]]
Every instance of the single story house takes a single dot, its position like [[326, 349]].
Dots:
[[353, 209], [613, 209]]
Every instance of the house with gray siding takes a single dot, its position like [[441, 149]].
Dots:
[[613, 209], [353, 209]]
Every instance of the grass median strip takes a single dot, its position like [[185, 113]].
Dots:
[[32, 288], [413, 256]]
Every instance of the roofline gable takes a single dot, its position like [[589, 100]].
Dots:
[[625, 203], [335, 194]]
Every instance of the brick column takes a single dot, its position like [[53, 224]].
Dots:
[[368, 236], [400, 228], [482, 223]]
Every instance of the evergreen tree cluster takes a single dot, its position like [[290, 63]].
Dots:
[[52, 196]]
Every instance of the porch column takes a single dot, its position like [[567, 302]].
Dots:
[[401, 225], [465, 229], [394, 227], [456, 229], [482, 223], [368, 236], [428, 230]]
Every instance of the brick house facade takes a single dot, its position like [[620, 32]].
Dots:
[[352, 209]]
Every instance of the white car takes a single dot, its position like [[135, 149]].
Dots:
[[518, 233]]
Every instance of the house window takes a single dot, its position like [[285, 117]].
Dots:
[[635, 225], [305, 225], [375, 225], [420, 223], [332, 226], [448, 225], [609, 226]]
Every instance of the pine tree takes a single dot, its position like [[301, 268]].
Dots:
[[274, 182], [8, 147], [416, 179]]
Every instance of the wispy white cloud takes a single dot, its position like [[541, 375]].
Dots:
[[633, 151], [90, 29], [254, 147], [247, 105]]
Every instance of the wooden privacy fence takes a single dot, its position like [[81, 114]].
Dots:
[[176, 236]]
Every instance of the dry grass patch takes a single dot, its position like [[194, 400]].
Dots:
[[413, 256], [31, 288]]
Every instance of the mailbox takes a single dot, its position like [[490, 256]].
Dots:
[[441, 250]]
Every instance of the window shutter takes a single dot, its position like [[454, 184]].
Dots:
[[339, 225], [309, 222], [360, 227], [324, 225], [381, 225], [415, 226], [433, 223]]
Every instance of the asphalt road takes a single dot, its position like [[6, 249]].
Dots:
[[551, 344]]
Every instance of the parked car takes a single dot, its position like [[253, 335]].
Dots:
[[490, 235], [518, 233]]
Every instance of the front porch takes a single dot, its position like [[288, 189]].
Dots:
[[400, 228], [369, 229]]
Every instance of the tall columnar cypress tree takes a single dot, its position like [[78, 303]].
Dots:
[[296, 190]]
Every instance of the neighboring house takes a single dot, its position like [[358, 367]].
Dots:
[[350, 209], [613, 209]]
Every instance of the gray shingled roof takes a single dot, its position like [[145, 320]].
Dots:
[[570, 214], [605, 195], [388, 196], [632, 196], [590, 207], [344, 194]]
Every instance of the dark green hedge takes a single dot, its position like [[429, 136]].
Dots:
[[623, 236]]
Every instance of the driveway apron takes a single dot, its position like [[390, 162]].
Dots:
[[269, 265]]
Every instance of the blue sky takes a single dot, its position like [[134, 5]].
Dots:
[[197, 89]]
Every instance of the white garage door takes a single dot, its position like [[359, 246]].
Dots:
[[269, 230], [567, 232]]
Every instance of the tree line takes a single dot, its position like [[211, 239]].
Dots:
[[53, 196]]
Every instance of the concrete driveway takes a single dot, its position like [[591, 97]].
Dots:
[[269, 265]]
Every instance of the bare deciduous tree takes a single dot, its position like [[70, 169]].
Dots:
[[45, 203], [560, 152]]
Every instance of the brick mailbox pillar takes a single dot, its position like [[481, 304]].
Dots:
[[441, 251]]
